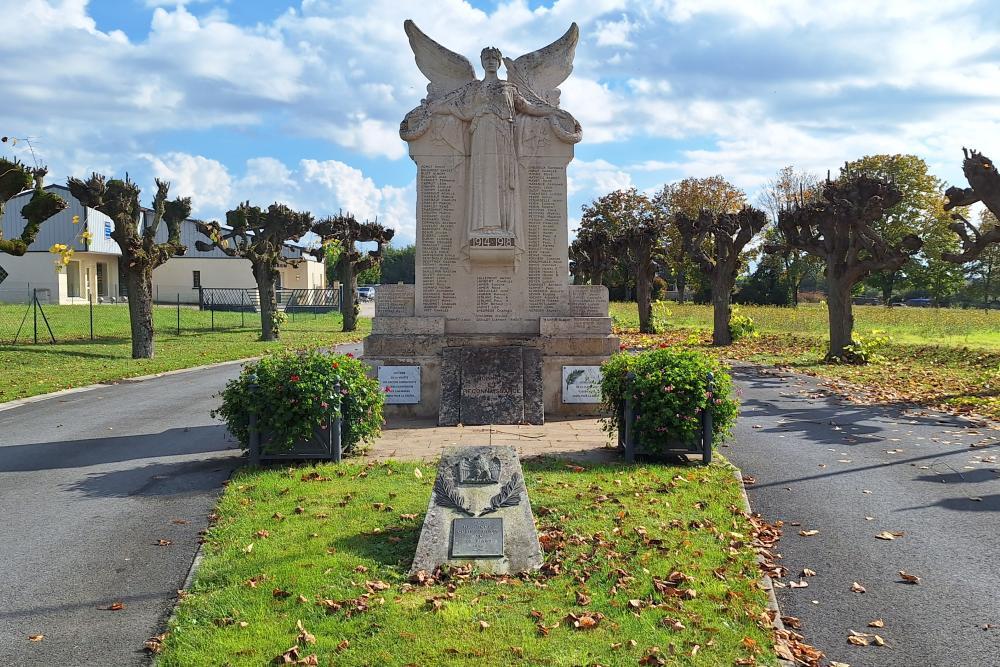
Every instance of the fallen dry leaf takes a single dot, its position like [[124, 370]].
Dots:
[[483, 625], [909, 578], [858, 640], [878, 641], [808, 533], [877, 623], [806, 572], [673, 624], [155, 644], [162, 543], [417, 473], [305, 637], [115, 606], [857, 588], [36, 638], [889, 535], [798, 584]]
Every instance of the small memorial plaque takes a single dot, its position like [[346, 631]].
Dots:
[[581, 384], [477, 538], [401, 384]]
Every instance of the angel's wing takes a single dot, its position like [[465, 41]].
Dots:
[[543, 70], [445, 69]]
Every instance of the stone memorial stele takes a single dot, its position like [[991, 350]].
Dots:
[[492, 313], [479, 514]]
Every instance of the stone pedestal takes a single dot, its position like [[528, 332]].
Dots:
[[444, 356]]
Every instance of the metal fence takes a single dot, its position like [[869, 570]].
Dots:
[[27, 317]]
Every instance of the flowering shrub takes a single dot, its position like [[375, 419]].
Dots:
[[670, 392], [292, 399]]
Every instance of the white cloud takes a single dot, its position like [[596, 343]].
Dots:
[[595, 178], [342, 187], [206, 181]]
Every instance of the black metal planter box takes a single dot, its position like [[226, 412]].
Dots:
[[627, 416], [324, 445]]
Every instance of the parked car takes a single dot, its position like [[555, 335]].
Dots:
[[366, 293], [919, 303]]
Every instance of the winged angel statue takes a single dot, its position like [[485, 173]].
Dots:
[[498, 117]]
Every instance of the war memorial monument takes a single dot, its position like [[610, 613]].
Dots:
[[492, 332]]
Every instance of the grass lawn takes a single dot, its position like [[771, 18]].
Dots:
[[333, 554], [75, 360], [942, 357]]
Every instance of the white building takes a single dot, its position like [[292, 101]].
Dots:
[[93, 271]]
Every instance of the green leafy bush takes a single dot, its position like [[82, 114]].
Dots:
[[866, 349], [740, 325], [278, 319], [292, 399], [661, 315], [670, 391]]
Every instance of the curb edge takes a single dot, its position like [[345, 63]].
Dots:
[[765, 580]]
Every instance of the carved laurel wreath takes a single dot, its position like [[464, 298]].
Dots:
[[446, 495]]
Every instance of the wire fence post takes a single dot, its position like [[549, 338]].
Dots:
[[34, 311], [178, 313], [212, 309], [91, 299], [242, 309]]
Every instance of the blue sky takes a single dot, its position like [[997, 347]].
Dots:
[[300, 101]]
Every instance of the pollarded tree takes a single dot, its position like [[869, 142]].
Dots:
[[635, 229], [839, 228], [593, 251], [260, 236], [691, 196], [716, 242], [984, 186], [919, 211], [348, 232], [141, 253], [15, 178]]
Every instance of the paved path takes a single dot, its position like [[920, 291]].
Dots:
[[815, 459]]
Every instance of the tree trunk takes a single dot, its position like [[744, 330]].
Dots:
[[597, 278], [350, 282], [987, 279], [139, 282], [264, 275], [841, 315], [681, 284], [722, 296], [643, 294], [887, 286]]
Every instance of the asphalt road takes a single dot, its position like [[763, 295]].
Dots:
[[821, 463], [89, 483]]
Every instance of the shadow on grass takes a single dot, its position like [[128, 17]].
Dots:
[[383, 550]]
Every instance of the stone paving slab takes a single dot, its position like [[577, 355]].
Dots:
[[422, 439]]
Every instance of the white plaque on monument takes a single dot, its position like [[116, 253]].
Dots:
[[401, 384], [581, 384]]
